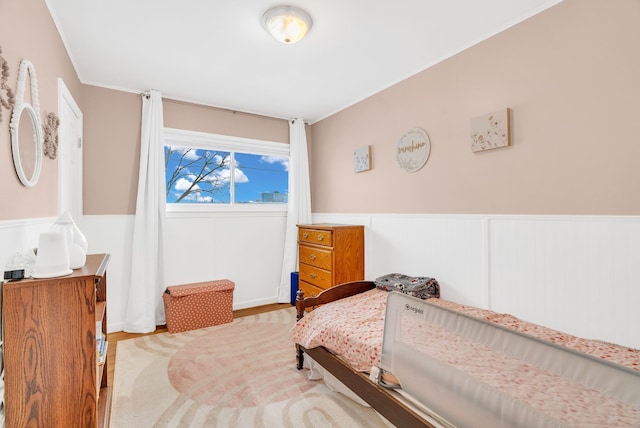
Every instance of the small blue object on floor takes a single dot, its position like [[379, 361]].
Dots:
[[294, 287]]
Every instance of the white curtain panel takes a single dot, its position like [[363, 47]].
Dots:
[[145, 309], [299, 203]]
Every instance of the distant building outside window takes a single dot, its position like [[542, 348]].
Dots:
[[276, 197]]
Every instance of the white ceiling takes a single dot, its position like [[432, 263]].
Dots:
[[216, 52]]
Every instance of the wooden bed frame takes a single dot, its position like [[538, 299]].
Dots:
[[397, 408], [381, 399]]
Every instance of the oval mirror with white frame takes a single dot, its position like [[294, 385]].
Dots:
[[26, 128]]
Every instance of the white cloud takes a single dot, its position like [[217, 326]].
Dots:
[[223, 175], [218, 159], [239, 176], [183, 184], [189, 153], [196, 197], [277, 159], [219, 176]]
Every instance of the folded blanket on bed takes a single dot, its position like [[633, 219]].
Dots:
[[421, 287]]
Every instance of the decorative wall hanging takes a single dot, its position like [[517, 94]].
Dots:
[[490, 131], [26, 129], [362, 159], [50, 129], [10, 100], [413, 150]]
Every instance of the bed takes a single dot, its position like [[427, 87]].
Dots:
[[500, 370]]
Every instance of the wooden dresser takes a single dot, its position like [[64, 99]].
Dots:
[[52, 375], [329, 254]]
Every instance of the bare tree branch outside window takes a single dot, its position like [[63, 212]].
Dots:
[[195, 175]]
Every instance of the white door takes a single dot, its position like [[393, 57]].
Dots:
[[69, 155]]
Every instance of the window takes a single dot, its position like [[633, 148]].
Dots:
[[217, 172]]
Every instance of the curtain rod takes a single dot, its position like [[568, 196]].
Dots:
[[147, 95]]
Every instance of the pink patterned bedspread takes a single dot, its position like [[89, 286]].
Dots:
[[352, 329]]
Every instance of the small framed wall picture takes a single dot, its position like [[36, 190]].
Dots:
[[490, 131], [362, 159]]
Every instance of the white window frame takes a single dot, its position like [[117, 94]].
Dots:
[[203, 140]]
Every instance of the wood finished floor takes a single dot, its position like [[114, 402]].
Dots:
[[113, 338]]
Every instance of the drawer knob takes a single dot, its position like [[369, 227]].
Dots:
[[305, 235], [312, 257], [313, 275], [320, 237]]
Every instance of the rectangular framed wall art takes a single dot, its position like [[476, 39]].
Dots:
[[490, 131], [362, 159]]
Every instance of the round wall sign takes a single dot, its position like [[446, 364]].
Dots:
[[413, 150]]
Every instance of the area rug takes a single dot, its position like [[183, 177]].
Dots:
[[240, 374]]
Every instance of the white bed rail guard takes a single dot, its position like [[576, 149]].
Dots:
[[475, 373]]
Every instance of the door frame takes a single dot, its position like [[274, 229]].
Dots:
[[65, 100]]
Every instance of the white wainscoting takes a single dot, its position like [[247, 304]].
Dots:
[[112, 234], [20, 236], [577, 274], [246, 249]]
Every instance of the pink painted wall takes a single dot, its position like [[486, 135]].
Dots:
[[28, 32], [111, 153], [112, 142], [571, 77], [111, 123]]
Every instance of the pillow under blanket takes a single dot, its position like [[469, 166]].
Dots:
[[421, 287]]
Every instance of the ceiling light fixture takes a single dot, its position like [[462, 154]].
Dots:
[[287, 24]]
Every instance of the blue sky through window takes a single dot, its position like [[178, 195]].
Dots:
[[203, 176], [261, 178]]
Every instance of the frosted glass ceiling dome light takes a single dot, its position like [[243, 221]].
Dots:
[[287, 24]]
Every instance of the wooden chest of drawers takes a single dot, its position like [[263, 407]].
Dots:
[[329, 254], [52, 374]]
